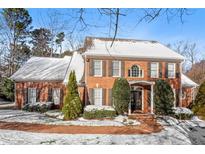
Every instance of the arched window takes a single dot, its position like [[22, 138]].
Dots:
[[135, 71]]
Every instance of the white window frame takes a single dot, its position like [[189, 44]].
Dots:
[[141, 75], [169, 70], [157, 70], [119, 62], [100, 96], [53, 91], [30, 90], [97, 75]]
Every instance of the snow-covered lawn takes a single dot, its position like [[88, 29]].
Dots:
[[167, 136], [33, 117], [175, 131]]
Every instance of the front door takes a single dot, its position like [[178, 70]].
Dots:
[[136, 100]]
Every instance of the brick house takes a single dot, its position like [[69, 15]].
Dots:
[[98, 65]]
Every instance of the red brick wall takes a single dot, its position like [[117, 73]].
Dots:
[[44, 86], [187, 96], [106, 81]]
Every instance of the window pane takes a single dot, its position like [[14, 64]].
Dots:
[[171, 70], [154, 70], [116, 68], [98, 96], [97, 67], [135, 71]]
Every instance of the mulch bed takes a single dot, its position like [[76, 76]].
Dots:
[[63, 129]]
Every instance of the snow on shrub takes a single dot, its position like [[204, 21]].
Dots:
[[98, 112], [38, 107], [95, 107], [183, 113]]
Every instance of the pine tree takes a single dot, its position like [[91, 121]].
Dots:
[[121, 95], [7, 88], [72, 106], [163, 98], [199, 102]]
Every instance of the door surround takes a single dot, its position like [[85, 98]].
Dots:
[[139, 88]]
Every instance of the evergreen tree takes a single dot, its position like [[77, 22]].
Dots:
[[15, 28], [7, 88], [72, 106], [199, 103], [121, 95], [163, 98]]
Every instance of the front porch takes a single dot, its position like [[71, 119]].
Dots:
[[141, 101]]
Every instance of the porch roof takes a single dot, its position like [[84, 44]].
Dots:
[[142, 82], [187, 82]]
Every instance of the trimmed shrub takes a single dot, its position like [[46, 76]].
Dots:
[[7, 88], [99, 114], [163, 98], [121, 95], [38, 107], [183, 113], [198, 106], [72, 106]]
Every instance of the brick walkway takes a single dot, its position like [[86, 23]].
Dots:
[[61, 129]]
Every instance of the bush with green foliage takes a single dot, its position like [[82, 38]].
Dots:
[[121, 95], [72, 106], [38, 107], [198, 106], [7, 88], [99, 114], [163, 98]]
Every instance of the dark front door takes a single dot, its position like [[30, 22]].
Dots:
[[136, 100]]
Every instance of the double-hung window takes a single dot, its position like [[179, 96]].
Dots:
[[154, 70], [31, 95], [116, 68], [97, 96], [171, 70], [97, 67]]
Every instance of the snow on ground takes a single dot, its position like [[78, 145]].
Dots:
[[89, 108], [33, 117], [167, 136], [182, 110], [175, 132]]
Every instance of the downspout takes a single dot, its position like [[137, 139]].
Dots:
[[180, 92], [85, 72]]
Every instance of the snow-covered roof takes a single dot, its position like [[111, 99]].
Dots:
[[129, 48], [187, 82], [49, 69], [77, 64]]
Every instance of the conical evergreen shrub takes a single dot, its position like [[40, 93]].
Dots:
[[72, 106], [121, 95], [199, 102], [163, 98]]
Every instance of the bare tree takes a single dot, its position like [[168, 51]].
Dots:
[[188, 50]]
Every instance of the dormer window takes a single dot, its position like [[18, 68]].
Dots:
[[135, 71]]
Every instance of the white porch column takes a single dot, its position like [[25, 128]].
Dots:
[[152, 102], [129, 108]]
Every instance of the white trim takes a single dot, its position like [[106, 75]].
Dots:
[[95, 96], [29, 94], [100, 67], [53, 92], [140, 88], [172, 77], [140, 75], [152, 100], [157, 69], [119, 75]]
